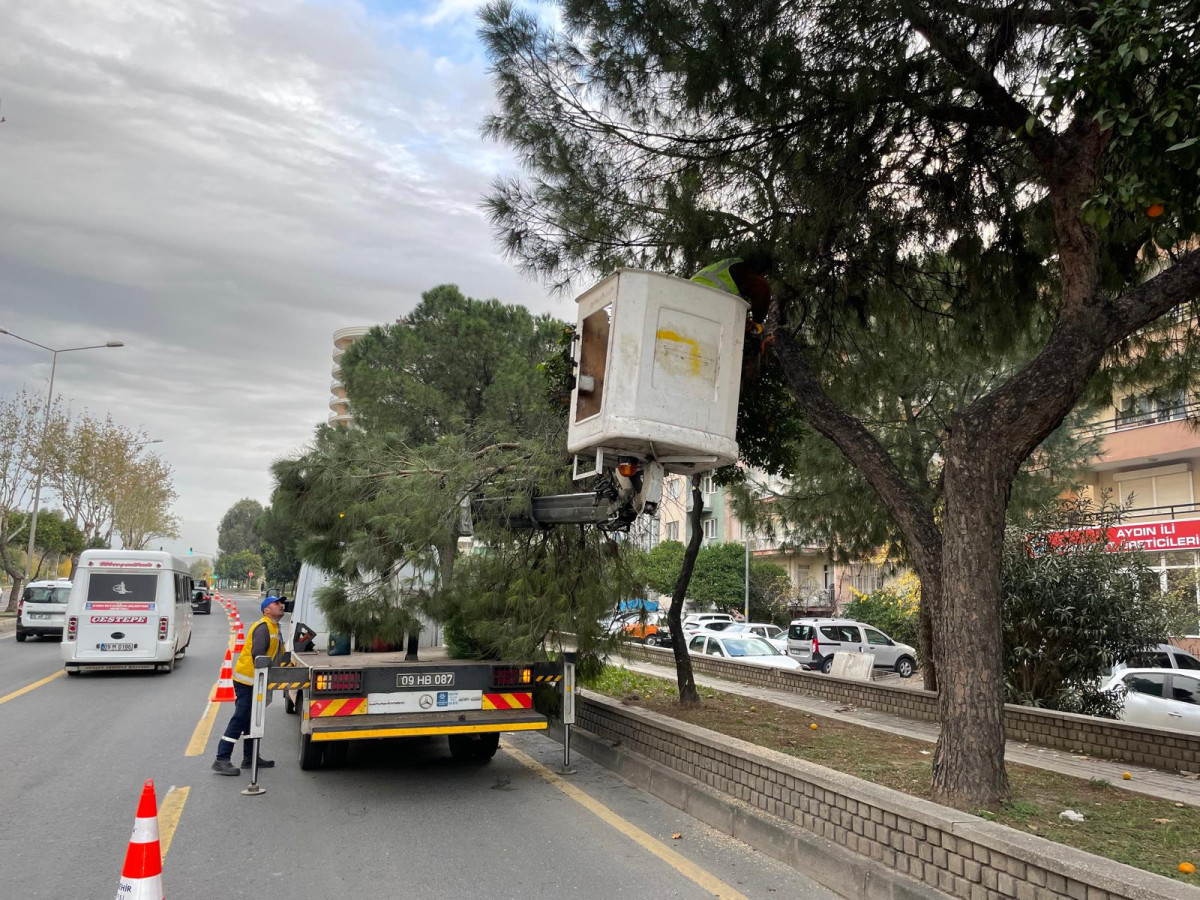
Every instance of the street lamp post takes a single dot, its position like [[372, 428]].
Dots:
[[37, 485]]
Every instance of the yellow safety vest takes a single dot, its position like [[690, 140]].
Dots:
[[717, 276], [243, 671]]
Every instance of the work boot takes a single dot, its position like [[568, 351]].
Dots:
[[225, 767], [262, 763]]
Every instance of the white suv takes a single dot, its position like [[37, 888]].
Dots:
[[42, 610]]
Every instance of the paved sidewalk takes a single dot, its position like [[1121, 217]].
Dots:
[[1155, 782]]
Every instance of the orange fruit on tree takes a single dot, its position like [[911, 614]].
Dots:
[[1154, 210]]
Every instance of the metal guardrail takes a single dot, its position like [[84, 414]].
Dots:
[[1130, 420], [1173, 511]]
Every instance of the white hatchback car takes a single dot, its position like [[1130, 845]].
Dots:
[[772, 634], [43, 609], [740, 648], [1163, 698]]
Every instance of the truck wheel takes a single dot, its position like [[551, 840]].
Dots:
[[487, 745], [312, 754], [21, 637], [460, 747]]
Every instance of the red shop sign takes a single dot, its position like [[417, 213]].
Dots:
[[1181, 534]]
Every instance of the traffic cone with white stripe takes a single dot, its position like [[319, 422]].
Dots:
[[224, 692], [141, 876], [239, 641]]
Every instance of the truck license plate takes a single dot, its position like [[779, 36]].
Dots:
[[39, 615], [425, 680], [116, 646]]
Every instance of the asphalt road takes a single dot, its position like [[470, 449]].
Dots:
[[400, 820]]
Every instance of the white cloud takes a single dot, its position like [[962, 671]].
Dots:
[[221, 185]]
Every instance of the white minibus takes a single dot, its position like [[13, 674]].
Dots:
[[129, 609]]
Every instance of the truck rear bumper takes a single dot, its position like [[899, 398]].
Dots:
[[410, 725]]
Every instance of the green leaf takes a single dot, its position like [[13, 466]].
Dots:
[[1142, 54], [1183, 145]]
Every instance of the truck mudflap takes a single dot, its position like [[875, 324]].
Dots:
[[354, 726]]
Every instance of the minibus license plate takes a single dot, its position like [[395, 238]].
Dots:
[[116, 646], [425, 680]]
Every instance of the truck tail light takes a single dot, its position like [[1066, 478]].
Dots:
[[816, 648], [509, 675], [346, 681], [162, 628], [72, 628]]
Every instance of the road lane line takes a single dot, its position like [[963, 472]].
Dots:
[[680, 863], [29, 687], [203, 731], [169, 812]]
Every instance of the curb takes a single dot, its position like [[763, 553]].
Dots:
[[7, 624], [830, 865]]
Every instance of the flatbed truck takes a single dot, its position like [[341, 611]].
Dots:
[[371, 696]]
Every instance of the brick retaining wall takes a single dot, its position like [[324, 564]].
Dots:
[[1158, 748], [960, 854]]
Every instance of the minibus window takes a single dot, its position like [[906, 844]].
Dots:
[[112, 587]]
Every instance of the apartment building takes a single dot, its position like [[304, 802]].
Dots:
[[339, 404], [1148, 460]]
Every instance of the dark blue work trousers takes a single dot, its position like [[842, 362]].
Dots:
[[239, 722]]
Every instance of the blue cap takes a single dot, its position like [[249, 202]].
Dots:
[[267, 601]]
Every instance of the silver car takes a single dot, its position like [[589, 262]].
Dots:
[[42, 610], [812, 643]]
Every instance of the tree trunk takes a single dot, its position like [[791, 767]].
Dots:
[[14, 595], [686, 679], [968, 764], [925, 640]]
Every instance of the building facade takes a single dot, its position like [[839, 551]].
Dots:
[[339, 404]]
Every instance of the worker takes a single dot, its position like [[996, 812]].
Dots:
[[735, 276], [264, 639]]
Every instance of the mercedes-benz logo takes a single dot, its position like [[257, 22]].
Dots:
[[426, 701]]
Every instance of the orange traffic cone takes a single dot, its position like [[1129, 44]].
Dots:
[[141, 876], [224, 692], [240, 641]]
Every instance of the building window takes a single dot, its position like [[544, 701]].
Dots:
[[1141, 409], [673, 487], [706, 484], [867, 578], [672, 531], [1161, 488], [710, 529]]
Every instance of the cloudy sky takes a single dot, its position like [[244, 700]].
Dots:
[[221, 184]]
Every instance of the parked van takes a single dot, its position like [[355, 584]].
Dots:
[[813, 642], [129, 609], [41, 611]]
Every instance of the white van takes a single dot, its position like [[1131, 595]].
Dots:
[[41, 609], [129, 609]]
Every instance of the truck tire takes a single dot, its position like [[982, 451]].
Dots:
[[487, 745], [21, 637], [312, 754], [474, 748]]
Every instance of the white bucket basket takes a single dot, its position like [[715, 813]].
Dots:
[[659, 363]]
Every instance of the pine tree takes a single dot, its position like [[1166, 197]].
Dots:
[[999, 179]]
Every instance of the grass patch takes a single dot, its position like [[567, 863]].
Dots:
[[1141, 831]]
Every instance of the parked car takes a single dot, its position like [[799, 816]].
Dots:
[[695, 621], [1159, 697], [1163, 656], [741, 648], [814, 641], [772, 634], [201, 598], [42, 609]]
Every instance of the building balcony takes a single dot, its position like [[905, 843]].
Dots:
[[337, 389], [1146, 437], [340, 418], [344, 337], [1162, 513], [339, 404]]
